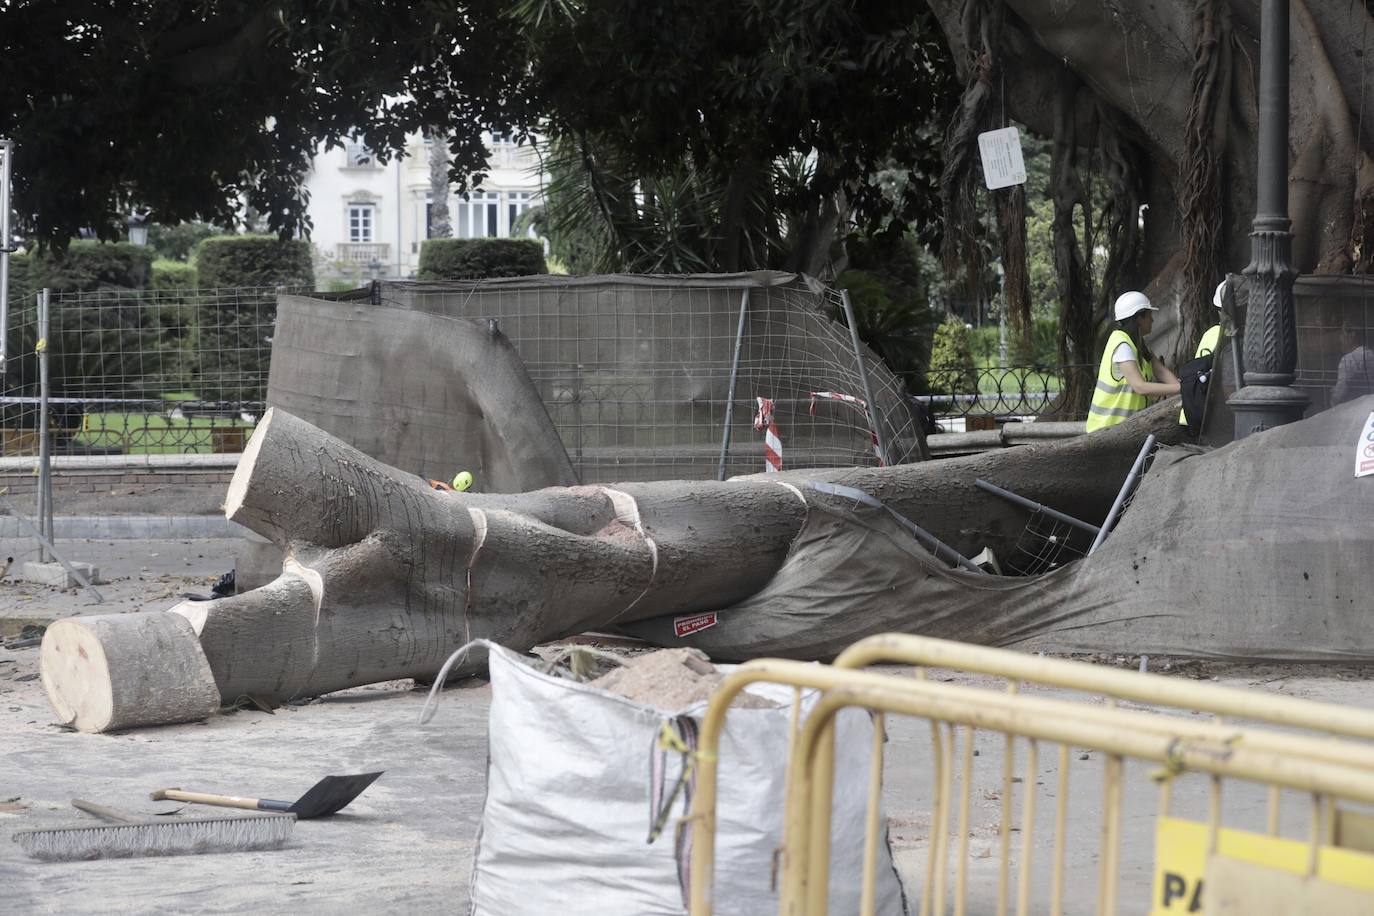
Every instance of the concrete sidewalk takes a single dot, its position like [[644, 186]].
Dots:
[[135, 575], [406, 844]]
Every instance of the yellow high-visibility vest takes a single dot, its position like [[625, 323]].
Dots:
[[1210, 338], [1113, 399]]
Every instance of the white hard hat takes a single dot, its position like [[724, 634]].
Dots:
[[1127, 304], [1216, 296]]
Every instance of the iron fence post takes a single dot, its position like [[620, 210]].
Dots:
[[734, 377], [44, 449], [874, 417], [6, 171]]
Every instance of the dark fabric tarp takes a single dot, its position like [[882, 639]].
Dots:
[[1261, 549]]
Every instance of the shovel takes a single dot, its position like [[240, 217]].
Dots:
[[324, 798]]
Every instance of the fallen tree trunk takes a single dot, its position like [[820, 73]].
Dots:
[[384, 576], [114, 671]]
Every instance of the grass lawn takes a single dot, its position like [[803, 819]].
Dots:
[[159, 434]]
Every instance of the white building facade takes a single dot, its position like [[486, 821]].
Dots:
[[369, 219]]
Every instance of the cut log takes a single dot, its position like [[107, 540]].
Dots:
[[384, 577], [114, 671]]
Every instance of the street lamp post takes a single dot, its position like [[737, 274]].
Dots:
[[138, 228], [1271, 341]]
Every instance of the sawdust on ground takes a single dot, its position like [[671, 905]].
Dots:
[[671, 679]]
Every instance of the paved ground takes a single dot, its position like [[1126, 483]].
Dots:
[[406, 844]]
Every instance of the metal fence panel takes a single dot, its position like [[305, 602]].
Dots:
[[635, 372]]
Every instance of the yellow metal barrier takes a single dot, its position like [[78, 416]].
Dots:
[[1322, 767], [1112, 684]]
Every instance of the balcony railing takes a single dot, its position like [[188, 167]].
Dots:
[[363, 253]]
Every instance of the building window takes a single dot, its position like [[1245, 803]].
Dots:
[[357, 155], [517, 202], [477, 215], [361, 220]]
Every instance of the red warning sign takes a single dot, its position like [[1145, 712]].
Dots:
[[686, 626]]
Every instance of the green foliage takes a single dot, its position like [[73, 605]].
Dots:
[[234, 327], [89, 265], [193, 109], [985, 344], [21, 286], [172, 277], [472, 259], [177, 314], [887, 291], [232, 261], [98, 331], [951, 358], [178, 243], [778, 123]]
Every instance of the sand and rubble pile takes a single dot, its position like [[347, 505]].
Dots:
[[671, 679]]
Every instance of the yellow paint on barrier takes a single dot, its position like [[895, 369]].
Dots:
[[1181, 862]]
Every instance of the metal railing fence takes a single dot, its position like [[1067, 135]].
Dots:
[[1334, 777], [998, 393]]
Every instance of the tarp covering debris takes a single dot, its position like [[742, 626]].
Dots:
[[1260, 549]]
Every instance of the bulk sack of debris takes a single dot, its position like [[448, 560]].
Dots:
[[578, 778]]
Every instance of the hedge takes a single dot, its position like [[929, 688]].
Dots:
[[97, 344], [172, 277], [474, 259], [85, 266], [254, 260]]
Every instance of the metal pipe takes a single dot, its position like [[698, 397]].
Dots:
[[77, 574], [6, 171], [874, 417], [928, 540], [1123, 493], [1156, 689], [1035, 506], [44, 456], [1272, 181], [734, 377]]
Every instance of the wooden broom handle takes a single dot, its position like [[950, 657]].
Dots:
[[113, 814], [200, 798]]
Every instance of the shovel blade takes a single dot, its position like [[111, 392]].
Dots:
[[331, 795]]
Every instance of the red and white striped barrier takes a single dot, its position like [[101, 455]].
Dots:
[[857, 402], [772, 445]]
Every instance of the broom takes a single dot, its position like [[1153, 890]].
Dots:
[[135, 836]]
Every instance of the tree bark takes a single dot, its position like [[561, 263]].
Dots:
[[384, 577], [114, 671]]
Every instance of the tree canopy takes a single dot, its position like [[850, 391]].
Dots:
[[189, 109]]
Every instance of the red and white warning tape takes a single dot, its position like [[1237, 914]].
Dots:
[[772, 445], [858, 402]]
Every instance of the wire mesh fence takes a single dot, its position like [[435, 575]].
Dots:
[[636, 372], [139, 371]]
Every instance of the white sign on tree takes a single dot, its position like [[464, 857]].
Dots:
[[1000, 151], [1364, 449]]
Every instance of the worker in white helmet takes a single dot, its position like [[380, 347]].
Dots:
[[1129, 373], [1211, 338]]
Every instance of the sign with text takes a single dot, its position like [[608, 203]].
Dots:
[[1181, 862], [1364, 449], [1000, 151], [686, 626]]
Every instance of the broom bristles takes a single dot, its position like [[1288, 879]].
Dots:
[[163, 838]]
